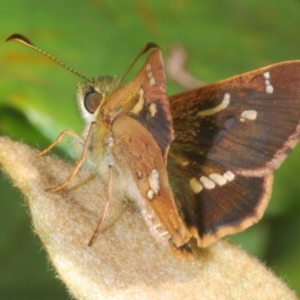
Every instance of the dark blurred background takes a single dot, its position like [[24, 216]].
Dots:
[[37, 101]]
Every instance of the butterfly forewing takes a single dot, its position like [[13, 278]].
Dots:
[[248, 122], [144, 98]]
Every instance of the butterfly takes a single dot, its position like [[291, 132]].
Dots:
[[198, 164]]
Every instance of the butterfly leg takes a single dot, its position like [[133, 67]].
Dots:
[[79, 162], [60, 138], [97, 230]]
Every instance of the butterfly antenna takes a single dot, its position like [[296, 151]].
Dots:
[[23, 40], [145, 49]]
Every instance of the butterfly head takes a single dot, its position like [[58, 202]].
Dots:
[[94, 94]]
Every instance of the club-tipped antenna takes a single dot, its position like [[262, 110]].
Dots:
[[23, 40], [145, 49]]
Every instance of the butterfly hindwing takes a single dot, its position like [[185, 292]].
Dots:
[[214, 202], [142, 160]]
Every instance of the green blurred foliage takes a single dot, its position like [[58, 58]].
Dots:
[[223, 38]]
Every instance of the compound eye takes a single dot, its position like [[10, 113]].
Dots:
[[92, 101]]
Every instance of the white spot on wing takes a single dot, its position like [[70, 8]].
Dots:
[[218, 179], [229, 176], [153, 180], [249, 115], [140, 103], [152, 109], [267, 75], [150, 194], [211, 111], [207, 183], [195, 186], [152, 80], [150, 75], [269, 87]]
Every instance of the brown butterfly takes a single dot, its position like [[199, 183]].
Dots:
[[199, 164]]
